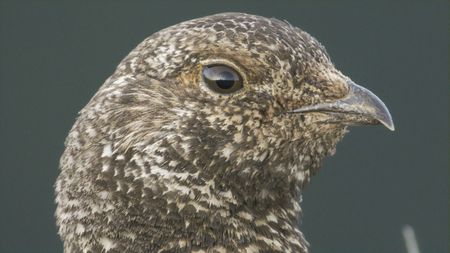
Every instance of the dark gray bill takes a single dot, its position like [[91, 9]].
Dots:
[[359, 101]]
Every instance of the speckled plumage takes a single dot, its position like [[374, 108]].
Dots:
[[156, 162]]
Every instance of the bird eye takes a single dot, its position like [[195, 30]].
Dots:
[[222, 79]]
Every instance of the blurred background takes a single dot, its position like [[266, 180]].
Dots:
[[55, 55]]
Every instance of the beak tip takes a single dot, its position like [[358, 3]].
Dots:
[[390, 126], [387, 121], [374, 105]]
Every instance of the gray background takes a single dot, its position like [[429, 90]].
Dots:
[[55, 55]]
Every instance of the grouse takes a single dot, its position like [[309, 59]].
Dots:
[[203, 139]]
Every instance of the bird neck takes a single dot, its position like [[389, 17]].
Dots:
[[244, 215], [256, 187], [172, 191]]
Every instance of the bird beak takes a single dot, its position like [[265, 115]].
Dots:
[[360, 106]]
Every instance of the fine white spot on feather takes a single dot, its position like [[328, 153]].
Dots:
[[252, 249], [237, 137], [197, 206], [79, 229], [300, 176], [81, 214], [158, 159], [236, 118], [105, 167], [173, 163], [119, 186], [107, 151], [245, 215], [180, 189], [167, 174], [121, 80], [272, 218], [260, 223], [131, 236], [273, 242], [107, 243], [219, 249], [103, 194], [227, 150], [213, 201], [91, 132], [294, 240], [73, 203]]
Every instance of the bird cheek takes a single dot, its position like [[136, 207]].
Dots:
[[190, 78]]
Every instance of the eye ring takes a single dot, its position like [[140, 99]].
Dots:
[[222, 79]]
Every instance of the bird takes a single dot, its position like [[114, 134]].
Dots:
[[203, 139]]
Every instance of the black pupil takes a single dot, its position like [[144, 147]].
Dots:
[[226, 80]]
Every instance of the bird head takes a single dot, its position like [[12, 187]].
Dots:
[[207, 131], [240, 97]]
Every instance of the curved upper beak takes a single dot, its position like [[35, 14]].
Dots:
[[359, 102]]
